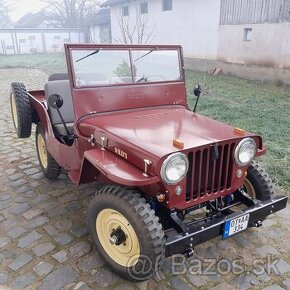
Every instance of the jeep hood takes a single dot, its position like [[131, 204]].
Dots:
[[151, 131]]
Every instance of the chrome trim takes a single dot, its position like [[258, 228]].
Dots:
[[239, 146], [165, 163], [147, 164]]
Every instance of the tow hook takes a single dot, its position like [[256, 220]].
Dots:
[[188, 253], [257, 224]]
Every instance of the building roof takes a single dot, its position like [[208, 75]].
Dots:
[[33, 20], [113, 2]]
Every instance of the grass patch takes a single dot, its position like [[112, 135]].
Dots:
[[48, 63], [251, 105], [257, 107]]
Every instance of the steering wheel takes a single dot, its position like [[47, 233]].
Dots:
[[156, 78], [142, 79]]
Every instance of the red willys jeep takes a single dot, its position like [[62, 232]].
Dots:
[[170, 178]]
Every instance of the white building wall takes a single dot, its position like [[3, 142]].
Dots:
[[95, 34], [270, 44], [192, 23]]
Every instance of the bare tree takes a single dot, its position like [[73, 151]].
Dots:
[[5, 20], [72, 13], [136, 27]]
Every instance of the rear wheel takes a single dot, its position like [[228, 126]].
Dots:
[[21, 111], [49, 166], [126, 232]]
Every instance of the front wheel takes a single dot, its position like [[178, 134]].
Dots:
[[126, 232], [258, 184]]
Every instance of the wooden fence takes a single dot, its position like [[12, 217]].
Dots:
[[254, 11]]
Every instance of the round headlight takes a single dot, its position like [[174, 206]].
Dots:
[[245, 151], [174, 168]]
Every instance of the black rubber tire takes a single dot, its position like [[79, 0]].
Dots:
[[260, 181], [23, 123], [52, 170], [145, 223]]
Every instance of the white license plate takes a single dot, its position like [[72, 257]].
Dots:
[[236, 225]]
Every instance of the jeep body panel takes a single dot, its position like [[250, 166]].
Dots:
[[153, 130], [140, 121], [117, 169], [61, 152], [114, 168], [128, 132], [148, 133]]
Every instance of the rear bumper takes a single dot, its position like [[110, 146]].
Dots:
[[207, 229]]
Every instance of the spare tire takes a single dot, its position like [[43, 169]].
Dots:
[[21, 110]]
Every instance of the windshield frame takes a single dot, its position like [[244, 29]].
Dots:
[[130, 49]]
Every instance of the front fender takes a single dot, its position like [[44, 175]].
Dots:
[[114, 168]]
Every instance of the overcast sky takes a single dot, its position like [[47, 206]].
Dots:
[[21, 7]]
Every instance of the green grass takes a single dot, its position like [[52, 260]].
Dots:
[[251, 105], [48, 63], [257, 107]]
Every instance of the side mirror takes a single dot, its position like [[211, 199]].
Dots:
[[55, 101], [197, 90]]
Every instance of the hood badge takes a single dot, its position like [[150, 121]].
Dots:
[[178, 143], [104, 142], [147, 165], [121, 153]]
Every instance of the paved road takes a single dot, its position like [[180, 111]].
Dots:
[[44, 242]]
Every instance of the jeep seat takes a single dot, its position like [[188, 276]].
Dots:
[[58, 77], [62, 88]]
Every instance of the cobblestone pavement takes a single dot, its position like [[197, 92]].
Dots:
[[44, 242]]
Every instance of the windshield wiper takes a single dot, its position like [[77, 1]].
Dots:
[[145, 54], [95, 52]]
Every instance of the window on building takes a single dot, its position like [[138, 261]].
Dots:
[[167, 5], [143, 7], [248, 34], [125, 10]]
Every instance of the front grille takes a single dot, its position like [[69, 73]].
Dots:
[[209, 173]]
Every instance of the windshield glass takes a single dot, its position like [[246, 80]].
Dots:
[[156, 65], [100, 67], [104, 67]]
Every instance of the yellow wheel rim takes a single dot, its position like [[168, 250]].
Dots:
[[14, 110], [42, 150], [249, 188], [125, 254]]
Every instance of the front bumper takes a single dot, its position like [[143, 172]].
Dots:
[[206, 229]]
